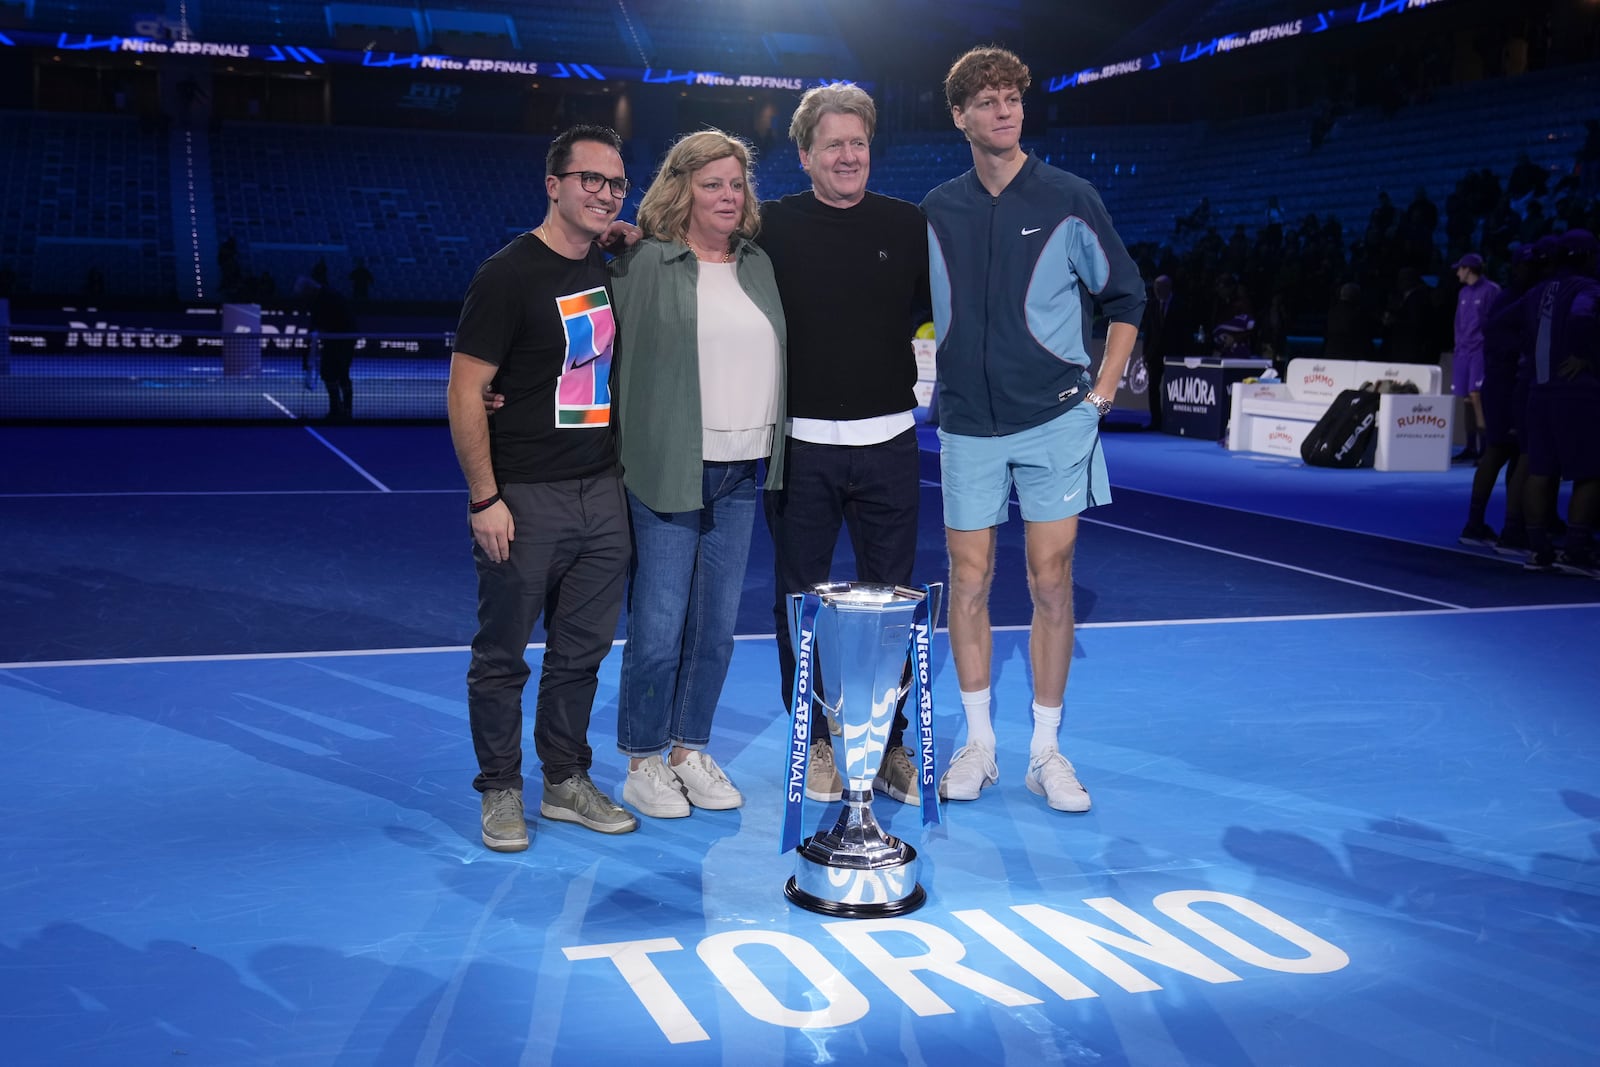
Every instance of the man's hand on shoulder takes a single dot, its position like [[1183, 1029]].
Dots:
[[619, 237]]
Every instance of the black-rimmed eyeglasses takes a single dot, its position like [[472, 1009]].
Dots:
[[592, 181]]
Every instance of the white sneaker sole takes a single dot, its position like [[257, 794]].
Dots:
[[502, 844], [711, 803], [944, 791], [560, 814], [658, 811], [880, 785], [1073, 805]]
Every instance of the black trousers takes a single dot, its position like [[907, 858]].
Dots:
[[335, 373], [1155, 369], [871, 490], [569, 563]]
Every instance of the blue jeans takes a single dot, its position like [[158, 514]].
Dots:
[[683, 599]]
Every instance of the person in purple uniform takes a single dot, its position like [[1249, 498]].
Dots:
[[1502, 442], [1472, 307], [1564, 407]]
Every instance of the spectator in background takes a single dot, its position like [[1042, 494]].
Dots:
[[1234, 335], [1562, 329], [360, 281], [1408, 333], [1504, 422], [332, 326], [1274, 333], [1382, 217], [1472, 308], [1350, 329], [1587, 162], [228, 265], [1165, 334], [1421, 218]]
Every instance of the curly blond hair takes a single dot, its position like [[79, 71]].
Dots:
[[984, 68]]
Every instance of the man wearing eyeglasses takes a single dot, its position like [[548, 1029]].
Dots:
[[546, 507]]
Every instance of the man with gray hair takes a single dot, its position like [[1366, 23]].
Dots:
[[852, 269]]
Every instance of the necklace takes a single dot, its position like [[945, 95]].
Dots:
[[727, 253], [543, 234]]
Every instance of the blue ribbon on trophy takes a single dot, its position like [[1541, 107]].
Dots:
[[800, 728], [922, 686]]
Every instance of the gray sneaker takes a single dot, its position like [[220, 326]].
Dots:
[[504, 828], [822, 775], [579, 800], [897, 777]]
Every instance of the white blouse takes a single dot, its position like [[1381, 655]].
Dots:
[[738, 368]]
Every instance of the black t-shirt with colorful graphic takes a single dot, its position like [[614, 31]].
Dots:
[[546, 321]]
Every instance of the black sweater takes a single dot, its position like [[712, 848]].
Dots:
[[854, 283]]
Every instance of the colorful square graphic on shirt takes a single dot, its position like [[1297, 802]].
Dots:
[[583, 395]]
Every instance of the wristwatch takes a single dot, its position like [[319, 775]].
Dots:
[[1102, 404]]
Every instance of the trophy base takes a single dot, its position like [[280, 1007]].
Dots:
[[881, 910], [853, 887]]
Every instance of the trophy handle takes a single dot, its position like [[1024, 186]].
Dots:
[[830, 712], [935, 601]]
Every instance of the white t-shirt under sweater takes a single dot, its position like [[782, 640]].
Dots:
[[738, 368]]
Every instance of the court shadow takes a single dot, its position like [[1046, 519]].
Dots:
[[77, 995]]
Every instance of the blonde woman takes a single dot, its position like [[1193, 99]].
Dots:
[[700, 403]]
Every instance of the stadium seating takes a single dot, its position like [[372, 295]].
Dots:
[[1238, 164], [422, 208], [82, 192]]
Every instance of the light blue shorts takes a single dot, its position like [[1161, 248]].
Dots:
[[1058, 469]]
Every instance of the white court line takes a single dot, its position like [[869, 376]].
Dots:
[[1276, 563], [353, 464], [241, 657], [274, 402], [227, 492], [1304, 522]]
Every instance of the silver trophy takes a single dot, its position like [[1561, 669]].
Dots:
[[861, 637]]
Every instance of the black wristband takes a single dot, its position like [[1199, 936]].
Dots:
[[476, 506]]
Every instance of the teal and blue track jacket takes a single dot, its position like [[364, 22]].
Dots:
[[1015, 278]]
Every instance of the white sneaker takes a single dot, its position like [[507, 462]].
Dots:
[[655, 791], [971, 769], [822, 774], [1050, 775], [705, 784]]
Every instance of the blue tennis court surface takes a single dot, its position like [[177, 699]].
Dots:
[[1346, 797]]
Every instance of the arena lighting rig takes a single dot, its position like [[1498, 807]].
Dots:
[[1360, 14]]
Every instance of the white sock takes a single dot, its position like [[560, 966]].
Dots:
[[979, 729], [1046, 725]]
